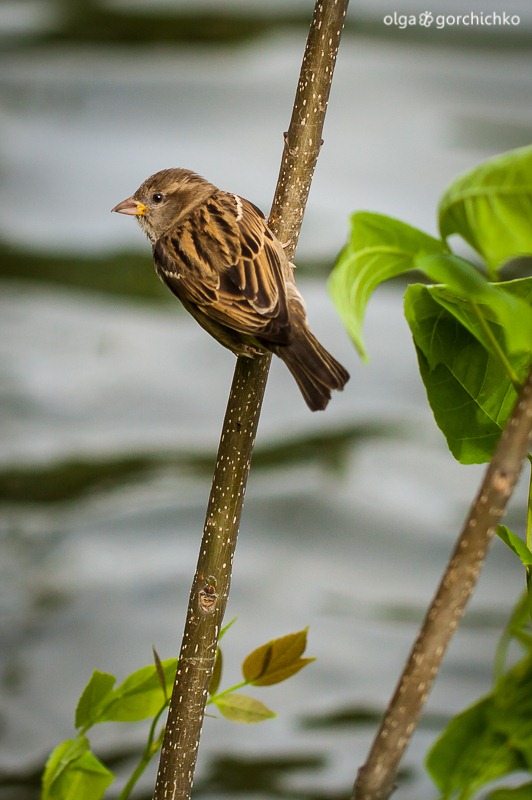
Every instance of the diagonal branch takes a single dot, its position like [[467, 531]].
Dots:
[[210, 587], [376, 779]]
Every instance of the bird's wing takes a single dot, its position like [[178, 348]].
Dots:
[[224, 260]]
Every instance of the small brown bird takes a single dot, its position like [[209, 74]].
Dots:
[[215, 252]]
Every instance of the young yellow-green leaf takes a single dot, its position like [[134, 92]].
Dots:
[[515, 544], [93, 699], [241, 708], [141, 695], [74, 773], [216, 676], [491, 207], [277, 660], [379, 248]]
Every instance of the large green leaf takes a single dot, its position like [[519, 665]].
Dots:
[[470, 753], [489, 740], [502, 310], [469, 391], [379, 248], [473, 338], [491, 207]]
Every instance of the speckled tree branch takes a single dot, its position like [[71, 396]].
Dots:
[[376, 779], [210, 588]]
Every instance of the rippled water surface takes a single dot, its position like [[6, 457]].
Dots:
[[111, 404]]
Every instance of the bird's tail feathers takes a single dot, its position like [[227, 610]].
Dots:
[[316, 371]]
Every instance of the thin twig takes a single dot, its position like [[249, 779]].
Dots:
[[210, 588], [376, 779]]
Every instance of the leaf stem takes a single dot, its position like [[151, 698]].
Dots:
[[234, 688]]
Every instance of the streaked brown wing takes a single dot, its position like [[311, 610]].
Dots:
[[224, 260]]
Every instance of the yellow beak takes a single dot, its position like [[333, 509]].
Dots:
[[132, 207]]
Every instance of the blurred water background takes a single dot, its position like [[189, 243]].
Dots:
[[112, 398]]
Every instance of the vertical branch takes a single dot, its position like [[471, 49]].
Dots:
[[303, 139], [210, 587], [376, 779]]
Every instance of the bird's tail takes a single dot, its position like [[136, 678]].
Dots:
[[316, 371]]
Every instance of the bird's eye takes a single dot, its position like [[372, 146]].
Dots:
[[157, 197]]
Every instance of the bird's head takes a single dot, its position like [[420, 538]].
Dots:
[[164, 199]]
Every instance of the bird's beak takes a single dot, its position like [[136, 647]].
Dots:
[[132, 207]]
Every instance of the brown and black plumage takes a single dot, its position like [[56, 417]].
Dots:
[[215, 252]]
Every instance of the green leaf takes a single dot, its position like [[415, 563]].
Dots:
[[93, 698], [523, 792], [379, 248], [241, 708], [469, 753], [515, 544], [74, 773], [216, 676], [469, 391], [491, 207], [59, 759], [491, 739], [277, 660], [455, 273], [141, 695], [504, 308], [520, 618]]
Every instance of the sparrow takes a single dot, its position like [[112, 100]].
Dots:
[[215, 252]]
